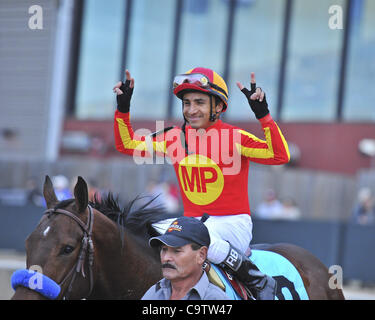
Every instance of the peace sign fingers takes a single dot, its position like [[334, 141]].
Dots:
[[124, 92], [129, 79], [256, 97], [253, 83]]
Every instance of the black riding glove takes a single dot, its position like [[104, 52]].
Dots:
[[123, 100], [259, 108]]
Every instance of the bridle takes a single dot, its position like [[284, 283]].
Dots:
[[87, 247]]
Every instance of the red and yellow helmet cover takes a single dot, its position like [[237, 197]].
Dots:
[[213, 77]]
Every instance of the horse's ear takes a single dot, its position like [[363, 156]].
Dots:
[[81, 195], [49, 193]]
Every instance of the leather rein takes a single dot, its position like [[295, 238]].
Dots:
[[87, 248]]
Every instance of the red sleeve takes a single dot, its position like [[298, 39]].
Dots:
[[126, 141], [273, 150]]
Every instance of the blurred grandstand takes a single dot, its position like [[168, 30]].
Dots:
[[57, 103]]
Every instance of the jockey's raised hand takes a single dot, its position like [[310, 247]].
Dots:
[[256, 98], [124, 93]]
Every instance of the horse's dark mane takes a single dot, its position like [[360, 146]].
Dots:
[[136, 220]]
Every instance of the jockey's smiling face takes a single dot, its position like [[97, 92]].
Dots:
[[180, 263], [196, 109]]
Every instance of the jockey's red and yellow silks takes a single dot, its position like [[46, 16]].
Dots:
[[213, 176]]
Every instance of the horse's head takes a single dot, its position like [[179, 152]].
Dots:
[[54, 249], [119, 265]]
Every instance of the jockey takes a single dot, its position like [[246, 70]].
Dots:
[[211, 160]]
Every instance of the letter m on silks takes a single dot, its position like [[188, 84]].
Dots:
[[192, 180], [199, 177]]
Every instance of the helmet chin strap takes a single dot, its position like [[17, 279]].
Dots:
[[183, 133], [212, 114]]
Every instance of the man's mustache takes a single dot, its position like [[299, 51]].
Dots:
[[168, 265]]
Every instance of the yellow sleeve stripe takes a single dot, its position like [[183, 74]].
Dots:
[[260, 153], [160, 146], [251, 136], [284, 142], [129, 143]]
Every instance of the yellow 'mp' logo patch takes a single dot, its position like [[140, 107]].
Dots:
[[201, 179]]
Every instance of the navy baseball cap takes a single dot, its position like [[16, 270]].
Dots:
[[182, 231]]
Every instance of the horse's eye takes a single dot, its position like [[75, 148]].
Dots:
[[67, 249]]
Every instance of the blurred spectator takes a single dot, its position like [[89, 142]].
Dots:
[[289, 210], [164, 194], [156, 191], [364, 210], [175, 196], [11, 138], [270, 208], [34, 195], [94, 192], [61, 186]]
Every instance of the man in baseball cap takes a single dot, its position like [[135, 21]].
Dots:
[[183, 251]]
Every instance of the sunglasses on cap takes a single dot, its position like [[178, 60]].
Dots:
[[197, 79]]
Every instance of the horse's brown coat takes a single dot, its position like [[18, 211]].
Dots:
[[126, 268]]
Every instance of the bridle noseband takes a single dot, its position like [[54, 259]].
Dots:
[[87, 247]]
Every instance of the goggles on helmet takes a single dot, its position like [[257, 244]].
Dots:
[[197, 79]]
